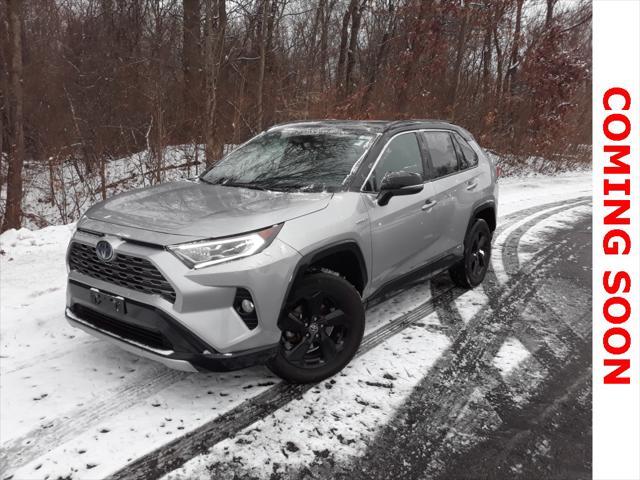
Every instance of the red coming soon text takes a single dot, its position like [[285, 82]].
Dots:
[[617, 240]]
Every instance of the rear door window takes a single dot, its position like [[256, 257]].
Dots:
[[442, 153]]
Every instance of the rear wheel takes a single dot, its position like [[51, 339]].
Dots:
[[322, 326], [471, 270]]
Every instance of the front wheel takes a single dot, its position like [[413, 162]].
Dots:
[[322, 326], [471, 270]]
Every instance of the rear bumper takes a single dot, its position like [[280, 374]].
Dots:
[[186, 356]]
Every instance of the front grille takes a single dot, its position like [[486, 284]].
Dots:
[[125, 270], [128, 331]]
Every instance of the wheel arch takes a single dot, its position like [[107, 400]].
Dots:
[[485, 211], [344, 258]]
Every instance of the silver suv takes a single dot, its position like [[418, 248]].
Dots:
[[270, 255]]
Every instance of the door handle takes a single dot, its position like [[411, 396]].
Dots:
[[472, 185], [428, 204]]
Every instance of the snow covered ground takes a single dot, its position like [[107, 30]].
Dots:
[[71, 405]]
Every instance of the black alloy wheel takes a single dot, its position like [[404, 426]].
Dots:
[[471, 270], [479, 255], [322, 327]]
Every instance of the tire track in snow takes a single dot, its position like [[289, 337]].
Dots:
[[54, 432], [555, 424], [491, 283], [509, 220], [450, 316], [534, 425], [510, 250], [52, 355], [409, 442]]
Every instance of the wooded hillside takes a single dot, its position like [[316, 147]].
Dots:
[[86, 81]]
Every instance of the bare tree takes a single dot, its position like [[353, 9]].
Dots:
[[381, 54], [215, 26], [356, 16], [343, 51], [416, 46], [549, 16], [13, 211], [265, 10], [515, 47], [191, 62], [460, 50]]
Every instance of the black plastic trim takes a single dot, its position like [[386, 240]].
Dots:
[[221, 362], [428, 270], [144, 315], [324, 252], [483, 205]]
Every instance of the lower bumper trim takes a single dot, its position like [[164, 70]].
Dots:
[[188, 362], [162, 356]]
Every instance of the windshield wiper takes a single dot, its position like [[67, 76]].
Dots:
[[267, 185], [251, 185]]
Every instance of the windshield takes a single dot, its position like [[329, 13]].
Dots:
[[307, 159]]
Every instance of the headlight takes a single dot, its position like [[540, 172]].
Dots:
[[210, 252]]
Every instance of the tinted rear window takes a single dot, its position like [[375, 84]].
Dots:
[[442, 152], [469, 156]]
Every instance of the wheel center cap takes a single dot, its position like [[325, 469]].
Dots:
[[313, 328]]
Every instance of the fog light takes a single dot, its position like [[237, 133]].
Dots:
[[247, 306], [243, 304]]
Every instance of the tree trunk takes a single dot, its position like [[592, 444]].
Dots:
[[549, 16], [216, 22], [515, 49], [322, 44], [4, 87], [416, 46], [313, 43], [263, 62], [380, 56], [324, 35], [13, 212], [460, 44], [157, 146], [353, 45], [499, 69], [342, 53], [238, 105], [191, 63], [486, 61]]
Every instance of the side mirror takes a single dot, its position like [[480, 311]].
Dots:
[[399, 183]]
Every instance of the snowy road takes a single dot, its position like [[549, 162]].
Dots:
[[448, 383]]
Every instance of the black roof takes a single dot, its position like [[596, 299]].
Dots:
[[377, 126]]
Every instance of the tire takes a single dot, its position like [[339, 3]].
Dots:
[[322, 326], [471, 270]]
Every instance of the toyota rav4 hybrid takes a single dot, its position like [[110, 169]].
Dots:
[[271, 255]]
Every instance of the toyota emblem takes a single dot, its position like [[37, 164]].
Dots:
[[104, 251]]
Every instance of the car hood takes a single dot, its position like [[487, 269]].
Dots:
[[204, 211]]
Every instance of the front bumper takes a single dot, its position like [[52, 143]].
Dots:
[[185, 361], [204, 328]]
